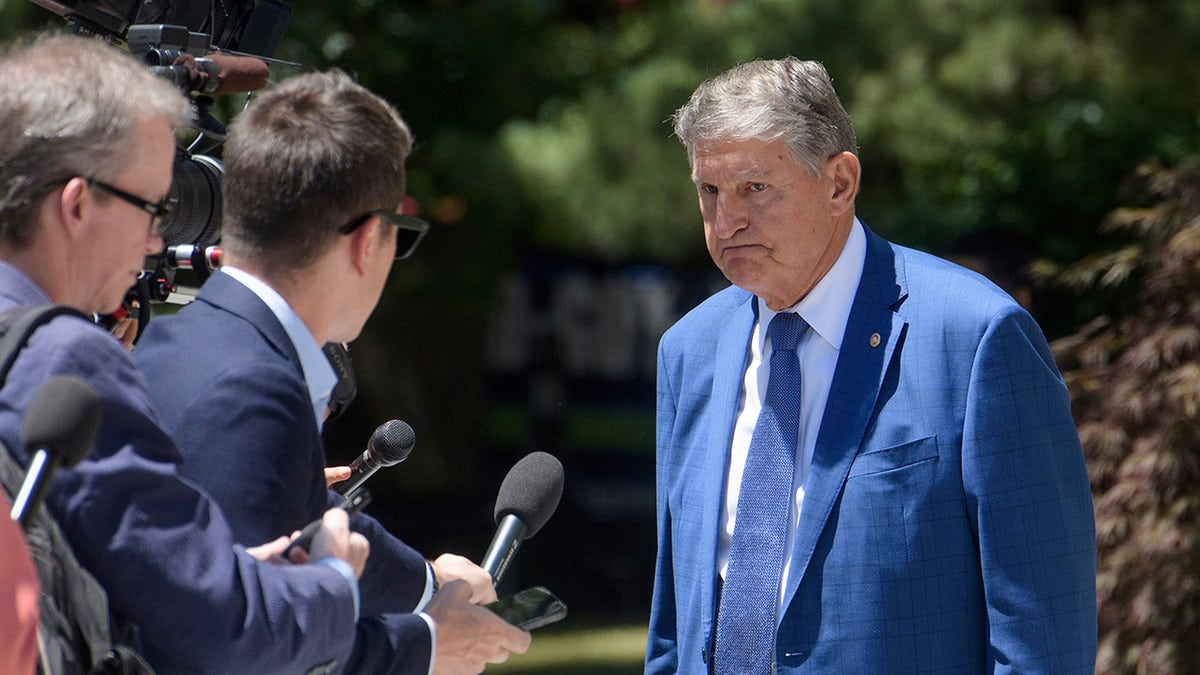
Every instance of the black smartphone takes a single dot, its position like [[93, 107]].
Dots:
[[531, 608]]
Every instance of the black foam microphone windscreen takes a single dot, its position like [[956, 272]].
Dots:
[[59, 428], [63, 419], [531, 491], [527, 498]]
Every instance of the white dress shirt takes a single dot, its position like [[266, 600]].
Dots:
[[826, 309]]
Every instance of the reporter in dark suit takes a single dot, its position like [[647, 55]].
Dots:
[[904, 449], [313, 184], [86, 149]]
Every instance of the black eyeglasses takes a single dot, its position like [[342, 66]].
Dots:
[[158, 211], [409, 230]]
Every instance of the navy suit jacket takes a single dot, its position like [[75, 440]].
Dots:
[[157, 544], [228, 383], [947, 521]]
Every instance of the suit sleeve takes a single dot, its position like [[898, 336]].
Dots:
[[395, 578], [159, 546], [661, 643], [253, 443], [1030, 501], [392, 644]]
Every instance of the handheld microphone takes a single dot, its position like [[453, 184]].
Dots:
[[59, 428], [528, 497], [390, 444]]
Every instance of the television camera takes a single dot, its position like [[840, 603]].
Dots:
[[208, 48]]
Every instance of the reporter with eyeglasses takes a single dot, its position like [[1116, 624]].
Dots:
[[313, 186], [86, 152]]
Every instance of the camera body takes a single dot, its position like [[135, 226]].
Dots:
[[175, 39]]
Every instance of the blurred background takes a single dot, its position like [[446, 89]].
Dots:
[[1050, 143]]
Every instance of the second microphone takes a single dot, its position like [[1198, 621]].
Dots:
[[390, 444]]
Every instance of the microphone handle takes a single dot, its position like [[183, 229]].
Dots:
[[356, 500], [352, 505], [37, 479], [304, 539], [504, 546], [360, 470]]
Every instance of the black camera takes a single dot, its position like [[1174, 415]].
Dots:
[[252, 27], [177, 54], [182, 40]]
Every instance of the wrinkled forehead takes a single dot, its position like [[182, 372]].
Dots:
[[742, 160]]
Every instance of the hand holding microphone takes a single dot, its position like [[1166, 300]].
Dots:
[[334, 539], [391, 443], [528, 497]]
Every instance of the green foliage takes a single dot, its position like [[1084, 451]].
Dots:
[[543, 124], [1135, 384], [603, 173], [970, 114]]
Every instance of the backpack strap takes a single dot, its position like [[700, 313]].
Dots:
[[75, 633], [18, 323]]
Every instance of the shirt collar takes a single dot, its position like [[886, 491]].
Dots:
[[319, 375], [827, 306], [18, 287]]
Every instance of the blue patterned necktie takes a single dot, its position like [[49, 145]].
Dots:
[[750, 595]]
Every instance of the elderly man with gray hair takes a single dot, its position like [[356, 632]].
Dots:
[[866, 460]]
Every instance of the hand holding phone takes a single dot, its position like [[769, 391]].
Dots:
[[530, 608]]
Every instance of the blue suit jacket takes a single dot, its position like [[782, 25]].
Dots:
[[947, 521], [229, 386], [157, 544]]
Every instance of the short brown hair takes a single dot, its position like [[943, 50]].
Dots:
[[310, 154]]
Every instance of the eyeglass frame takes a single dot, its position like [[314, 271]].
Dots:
[[401, 221], [158, 211]]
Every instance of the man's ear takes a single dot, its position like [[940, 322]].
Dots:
[[365, 244], [70, 206], [845, 171]]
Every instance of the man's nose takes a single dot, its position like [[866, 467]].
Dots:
[[727, 217]]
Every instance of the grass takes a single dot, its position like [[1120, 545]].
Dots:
[[567, 649]]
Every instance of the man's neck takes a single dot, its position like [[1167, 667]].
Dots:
[[48, 272], [306, 292]]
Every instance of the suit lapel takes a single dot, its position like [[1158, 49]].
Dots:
[[861, 367]]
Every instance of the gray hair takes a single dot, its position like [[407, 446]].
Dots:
[[69, 106], [786, 99]]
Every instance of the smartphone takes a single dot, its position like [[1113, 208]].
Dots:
[[531, 608]]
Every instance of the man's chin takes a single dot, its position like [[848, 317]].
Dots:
[[111, 308], [742, 274]]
